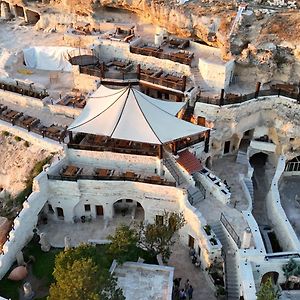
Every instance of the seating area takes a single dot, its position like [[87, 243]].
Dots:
[[54, 131], [74, 173], [164, 79], [181, 44], [182, 56], [103, 143], [77, 101], [23, 90]]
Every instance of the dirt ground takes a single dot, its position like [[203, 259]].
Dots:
[[16, 161]]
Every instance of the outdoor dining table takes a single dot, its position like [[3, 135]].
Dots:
[[103, 172], [130, 175], [53, 129], [29, 120], [70, 171], [11, 114]]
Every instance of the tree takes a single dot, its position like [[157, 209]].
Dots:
[[123, 245], [267, 291], [292, 268], [79, 277], [159, 238]]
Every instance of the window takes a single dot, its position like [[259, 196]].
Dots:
[[50, 209], [129, 200], [159, 220], [87, 207]]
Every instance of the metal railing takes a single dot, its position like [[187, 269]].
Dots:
[[146, 152], [113, 177], [230, 230], [247, 97]]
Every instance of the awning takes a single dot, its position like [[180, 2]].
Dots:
[[128, 114]]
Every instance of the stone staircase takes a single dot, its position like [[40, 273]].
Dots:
[[242, 158], [170, 165], [231, 277], [249, 185], [194, 193]]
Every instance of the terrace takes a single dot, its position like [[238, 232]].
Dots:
[[174, 49], [76, 172], [54, 131], [117, 72]]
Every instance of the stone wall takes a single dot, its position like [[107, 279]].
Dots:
[[24, 224], [285, 233], [280, 115]]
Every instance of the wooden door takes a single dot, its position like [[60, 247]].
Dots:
[[99, 210]]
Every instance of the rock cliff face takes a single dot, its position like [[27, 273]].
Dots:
[[264, 39]]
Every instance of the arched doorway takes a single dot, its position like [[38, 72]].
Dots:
[[258, 160], [273, 275], [60, 213], [128, 209]]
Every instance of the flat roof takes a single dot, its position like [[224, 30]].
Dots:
[[141, 281]]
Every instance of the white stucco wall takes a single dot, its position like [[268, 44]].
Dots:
[[24, 224], [283, 229]]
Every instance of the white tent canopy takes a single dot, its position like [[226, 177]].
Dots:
[[49, 58], [128, 114]]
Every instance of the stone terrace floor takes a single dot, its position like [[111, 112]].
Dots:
[[82, 232], [289, 190], [226, 168], [184, 269]]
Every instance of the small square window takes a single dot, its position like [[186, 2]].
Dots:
[[87, 207]]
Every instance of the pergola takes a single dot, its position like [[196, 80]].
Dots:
[[127, 114]]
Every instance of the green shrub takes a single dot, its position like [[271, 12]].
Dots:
[[17, 138], [5, 133]]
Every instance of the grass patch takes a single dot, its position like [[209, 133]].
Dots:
[[10, 289], [43, 265], [17, 138], [5, 133]]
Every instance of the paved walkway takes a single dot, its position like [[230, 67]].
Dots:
[[184, 269], [226, 168], [290, 200]]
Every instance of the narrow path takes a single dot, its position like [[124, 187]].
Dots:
[[184, 269]]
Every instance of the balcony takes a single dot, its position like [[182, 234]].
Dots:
[[261, 145], [74, 173]]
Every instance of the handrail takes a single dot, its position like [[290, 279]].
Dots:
[[247, 97], [230, 230], [145, 152], [117, 178]]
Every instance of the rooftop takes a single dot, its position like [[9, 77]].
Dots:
[[143, 282]]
